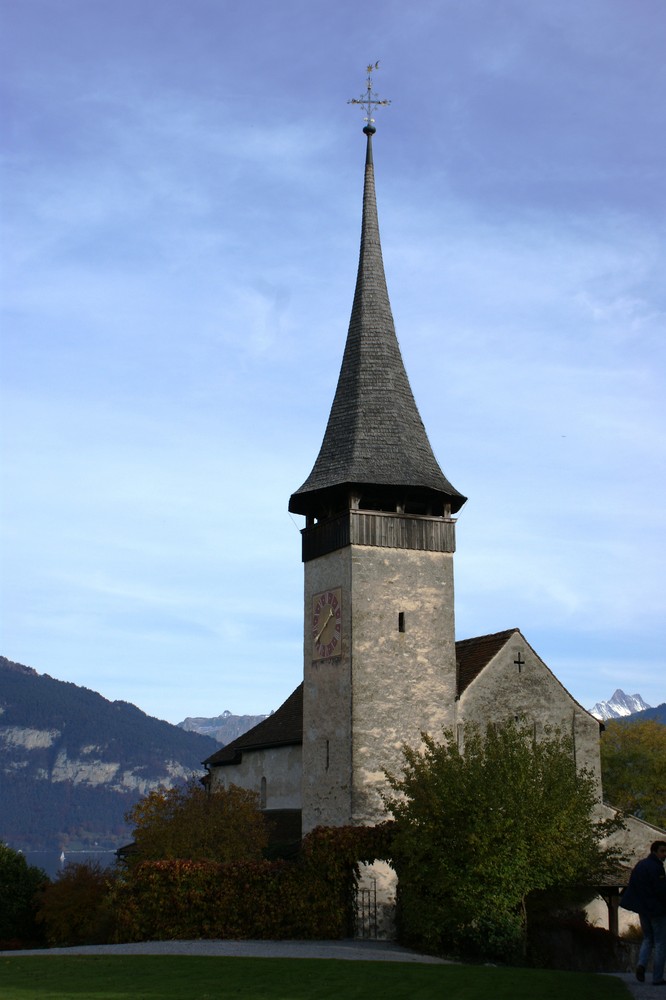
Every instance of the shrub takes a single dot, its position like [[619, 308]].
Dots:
[[76, 908], [312, 897], [479, 829], [168, 900], [20, 886], [566, 940]]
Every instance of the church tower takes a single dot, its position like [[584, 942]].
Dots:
[[377, 547]]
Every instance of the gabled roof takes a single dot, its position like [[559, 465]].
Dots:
[[473, 655], [375, 435], [283, 728]]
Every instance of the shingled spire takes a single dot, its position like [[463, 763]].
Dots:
[[375, 453]]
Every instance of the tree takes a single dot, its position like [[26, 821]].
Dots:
[[633, 768], [189, 823], [478, 831], [20, 884], [76, 908]]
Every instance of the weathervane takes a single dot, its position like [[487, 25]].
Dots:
[[369, 101]]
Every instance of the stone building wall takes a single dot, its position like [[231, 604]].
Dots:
[[518, 683], [274, 774], [403, 681], [395, 675]]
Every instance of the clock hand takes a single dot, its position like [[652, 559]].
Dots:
[[330, 615], [321, 630]]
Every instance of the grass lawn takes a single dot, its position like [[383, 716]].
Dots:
[[176, 977]]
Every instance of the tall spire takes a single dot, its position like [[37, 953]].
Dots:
[[375, 449]]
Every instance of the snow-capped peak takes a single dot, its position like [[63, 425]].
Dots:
[[618, 706]]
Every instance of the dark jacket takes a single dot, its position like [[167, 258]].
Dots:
[[646, 892]]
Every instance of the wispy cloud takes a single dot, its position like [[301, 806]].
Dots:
[[182, 206]]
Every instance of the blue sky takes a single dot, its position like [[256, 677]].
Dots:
[[181, 195]]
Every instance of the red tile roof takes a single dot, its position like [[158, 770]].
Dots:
[[473, 655]]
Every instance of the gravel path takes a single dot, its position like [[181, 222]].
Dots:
[[641, 991], [351, 950]]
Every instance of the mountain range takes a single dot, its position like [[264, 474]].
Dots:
[[224, 728], [228, 727], [73, 763], [619, 706]]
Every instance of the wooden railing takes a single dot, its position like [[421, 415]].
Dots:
[[388, 530]]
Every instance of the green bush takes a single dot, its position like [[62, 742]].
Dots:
[[481, 826], [20, 887]]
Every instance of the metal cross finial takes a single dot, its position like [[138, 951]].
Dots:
[[369, 101]]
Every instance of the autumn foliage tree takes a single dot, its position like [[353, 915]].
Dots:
[[189, 823], [481, 828], [633, 768], [76, 908]]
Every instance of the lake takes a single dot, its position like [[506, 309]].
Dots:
[[52, 865]]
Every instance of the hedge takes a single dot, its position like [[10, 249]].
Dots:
[[313, 897]]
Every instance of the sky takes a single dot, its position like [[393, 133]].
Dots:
[[181, 186]]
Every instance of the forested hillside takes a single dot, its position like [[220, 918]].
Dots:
[[656, 714], [72, 762]]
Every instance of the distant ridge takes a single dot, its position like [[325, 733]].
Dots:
[[619, 706], [657, 714], [72, 763], [224, 728]]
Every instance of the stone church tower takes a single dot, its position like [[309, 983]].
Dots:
[[378, 544], [381, 664]]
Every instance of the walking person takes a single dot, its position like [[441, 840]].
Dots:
[[646, 896]]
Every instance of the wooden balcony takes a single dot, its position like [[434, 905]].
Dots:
[[387, 530]]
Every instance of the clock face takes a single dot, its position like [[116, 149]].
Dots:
[[326, 624]]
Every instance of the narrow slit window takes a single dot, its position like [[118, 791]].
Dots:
[[401, 621]]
